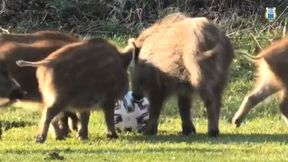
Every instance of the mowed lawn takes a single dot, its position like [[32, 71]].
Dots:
[[262, 137]]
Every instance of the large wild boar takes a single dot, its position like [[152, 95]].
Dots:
[[272, 65], [181, 55], [80, 75], [34, 46]]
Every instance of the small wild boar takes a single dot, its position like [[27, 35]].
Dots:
[[80, 75], [272, 77], [38, 36], [15, 80], [34, 46], [9, 87], [181, 55]]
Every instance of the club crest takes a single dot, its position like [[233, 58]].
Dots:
[[270, 13]]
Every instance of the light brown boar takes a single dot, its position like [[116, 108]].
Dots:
[[32, 46], [79, 76], [272, 65], [182, 57]]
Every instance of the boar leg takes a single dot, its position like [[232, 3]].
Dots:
[[251, 100], [57, 130], [74, 118], [108, 108], [64, 120], [284, 107], [48, 114], [212, 103], [83, 130], [156, 103], [184, 105]]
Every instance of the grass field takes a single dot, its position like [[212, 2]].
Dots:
[[262, 137]]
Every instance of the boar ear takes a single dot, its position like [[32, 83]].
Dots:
[[130, 53], [137, 46], [127, 53], [136, 51], [126, 59]]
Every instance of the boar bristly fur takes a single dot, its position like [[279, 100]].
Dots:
[[272, 65], [32, 47], [79, 76], [182, 57]]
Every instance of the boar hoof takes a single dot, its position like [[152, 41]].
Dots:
[[213, 133], [74, 127], [112, 135], [66, 133], [150, 131], [59, 137], [188, 130], [82, 138], [237, 122], [40, 139], [82, 134]]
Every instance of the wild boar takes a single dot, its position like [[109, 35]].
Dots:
[[272, 65], [34, 46], [38, 36], [80, 75], [9, 88], [182, 57]]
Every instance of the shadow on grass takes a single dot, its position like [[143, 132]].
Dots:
[[116, 150], [203, 138], [160, 149], [6, 125], [233, 139]]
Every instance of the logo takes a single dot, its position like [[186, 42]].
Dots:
[[270, 13]]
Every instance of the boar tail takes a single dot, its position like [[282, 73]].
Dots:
[[209, 53], [248, 56], [23, 63]]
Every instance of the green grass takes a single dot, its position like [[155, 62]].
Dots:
[[262, 137]]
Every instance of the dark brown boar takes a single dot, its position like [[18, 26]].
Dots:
[[182, 57], [81, 75], [38, 36], [272, 65], [34, 46], [9, 87]]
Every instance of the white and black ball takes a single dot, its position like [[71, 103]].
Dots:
[[131, 114]]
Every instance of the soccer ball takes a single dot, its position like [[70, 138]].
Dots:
[[130, 114]]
